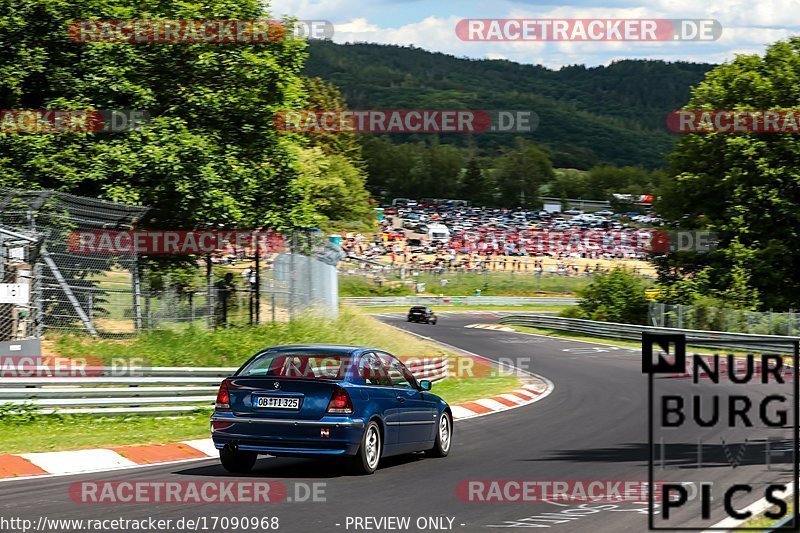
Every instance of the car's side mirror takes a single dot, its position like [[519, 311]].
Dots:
[[425, 385]]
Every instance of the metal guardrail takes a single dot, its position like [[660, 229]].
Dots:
[[374, 301], [155, 390], [634, 332]]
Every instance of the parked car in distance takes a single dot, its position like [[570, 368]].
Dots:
[[355, 403], [420, 313]]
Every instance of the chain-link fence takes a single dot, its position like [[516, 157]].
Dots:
[[246, 286], [121, 291], [709, 318], [75, 288]]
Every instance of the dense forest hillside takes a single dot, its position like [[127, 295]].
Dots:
[[589, 116]]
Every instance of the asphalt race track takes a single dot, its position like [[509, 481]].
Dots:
[[593, 426]]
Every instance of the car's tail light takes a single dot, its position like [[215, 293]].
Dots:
[[223, 398], [340, 403]]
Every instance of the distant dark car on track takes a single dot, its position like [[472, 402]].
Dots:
[[355, 403], [420, 313]]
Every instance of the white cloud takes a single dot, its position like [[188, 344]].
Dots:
[[748, 27], [359, 26]]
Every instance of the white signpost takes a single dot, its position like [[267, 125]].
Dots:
[[14, 293]]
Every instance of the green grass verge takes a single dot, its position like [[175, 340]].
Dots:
[[232, 346], [577, 336], [465, 284], [47, 433], [461, 390], [358, 286], [762, 521]]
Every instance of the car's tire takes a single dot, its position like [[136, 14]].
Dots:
[[236, 461], [433, 323], [369, 453], [444, 436], [409, 319]]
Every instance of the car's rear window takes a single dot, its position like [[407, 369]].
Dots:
[[298, 365]]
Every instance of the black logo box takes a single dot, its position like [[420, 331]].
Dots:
[[678, 342]]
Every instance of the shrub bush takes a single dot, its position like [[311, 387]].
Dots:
[[615, 296]]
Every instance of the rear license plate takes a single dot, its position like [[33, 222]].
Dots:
[[276, 402]]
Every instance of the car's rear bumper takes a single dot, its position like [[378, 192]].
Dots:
[[329, 436]]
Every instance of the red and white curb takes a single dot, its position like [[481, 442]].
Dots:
[[528, 394], [26, 465], [493, 327]]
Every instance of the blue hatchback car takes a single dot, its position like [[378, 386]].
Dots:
[[327, 401]]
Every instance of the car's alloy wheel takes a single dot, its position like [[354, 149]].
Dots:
[[444, 436], [369, 453], [444, 432], [373, 447]]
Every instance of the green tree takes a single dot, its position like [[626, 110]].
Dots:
[[615, 296], [389, 166], [476, 185], [684, 290], [570, 183], [332, 188], [606, 180], [436, 171], [211, 154], [520, 172], [746, 187], [324, 96]]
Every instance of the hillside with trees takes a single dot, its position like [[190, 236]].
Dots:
[[589, 116]]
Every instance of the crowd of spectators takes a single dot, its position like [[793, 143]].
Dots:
[[538, 242]]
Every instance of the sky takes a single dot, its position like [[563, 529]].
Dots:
[[748, 26]]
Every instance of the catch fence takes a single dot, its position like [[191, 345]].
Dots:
[[704, 317], [121, 292]]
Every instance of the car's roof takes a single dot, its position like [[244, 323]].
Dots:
[[332, 348]]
